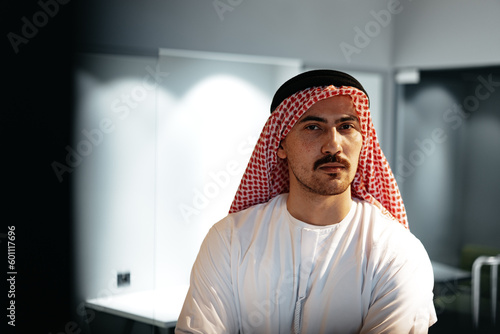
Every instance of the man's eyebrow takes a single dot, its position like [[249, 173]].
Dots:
[[313, 118], [349, 118]]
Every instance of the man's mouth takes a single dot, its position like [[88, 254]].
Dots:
[[332, 167]]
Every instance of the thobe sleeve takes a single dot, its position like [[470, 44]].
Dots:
[[209, 306], [402, 297]]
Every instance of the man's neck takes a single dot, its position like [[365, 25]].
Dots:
[[318, 209]]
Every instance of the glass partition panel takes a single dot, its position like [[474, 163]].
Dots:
[[160, 146]]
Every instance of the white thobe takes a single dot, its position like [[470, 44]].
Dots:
[[263, 271]]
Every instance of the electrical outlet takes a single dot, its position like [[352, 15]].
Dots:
[[123, 279]]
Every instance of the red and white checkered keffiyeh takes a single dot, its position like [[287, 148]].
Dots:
[[267, 176]]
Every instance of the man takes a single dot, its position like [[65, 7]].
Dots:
[[316, 240]]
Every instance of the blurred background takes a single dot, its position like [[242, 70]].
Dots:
[[141, 116]]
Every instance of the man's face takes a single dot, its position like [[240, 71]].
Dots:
[[323, 147]]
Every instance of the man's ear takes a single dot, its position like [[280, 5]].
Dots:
[[281, 151]]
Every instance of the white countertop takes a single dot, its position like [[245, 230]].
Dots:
[[155, 307], [444, 272]]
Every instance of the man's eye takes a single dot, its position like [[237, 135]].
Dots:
[[346, 126], [312, 127]]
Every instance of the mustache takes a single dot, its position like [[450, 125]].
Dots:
[[332, 158]]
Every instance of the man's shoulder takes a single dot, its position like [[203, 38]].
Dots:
[[378, 218], [255, 215], [383, 230]]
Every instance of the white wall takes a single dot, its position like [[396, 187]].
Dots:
[[386, 33], [211, 110], [161, 145], [312, 31], [447, 34], [115, 178]]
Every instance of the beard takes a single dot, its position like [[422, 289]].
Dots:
[[335, 183]]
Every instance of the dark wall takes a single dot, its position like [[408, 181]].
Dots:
[[36, 123], [449, 157]]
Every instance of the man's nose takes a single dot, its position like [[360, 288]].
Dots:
[[331, 144]]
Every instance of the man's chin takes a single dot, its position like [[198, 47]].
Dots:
[[331, 190]]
